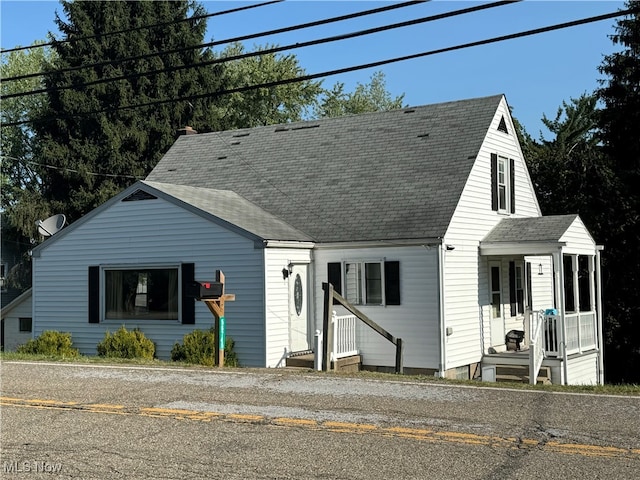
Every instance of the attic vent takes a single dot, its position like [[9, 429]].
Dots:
[[281, 129], [139, 195], [222, 157], [235, 143], [238, 135], [502, 127], [304, 127], [423, 135], [411, 110]]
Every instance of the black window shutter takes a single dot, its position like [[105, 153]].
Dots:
[[512, 184], [494, 182], [512, 289], [392, 282], [334, 276], [188, 303], [529, 289], [94, 294]]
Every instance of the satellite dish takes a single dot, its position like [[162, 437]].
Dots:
[[51, 225]]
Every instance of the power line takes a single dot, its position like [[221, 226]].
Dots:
[[222, 42], [65, 169], [142, 27], [267, 51], [352, 68]]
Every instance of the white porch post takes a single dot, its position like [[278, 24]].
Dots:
[[598, 299], [558, 271]]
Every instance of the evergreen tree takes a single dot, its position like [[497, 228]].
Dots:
[[619, 120], [92, 156]]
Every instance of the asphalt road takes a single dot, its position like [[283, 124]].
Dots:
[[103, 422]]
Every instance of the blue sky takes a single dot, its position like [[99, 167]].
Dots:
[[536, 73]]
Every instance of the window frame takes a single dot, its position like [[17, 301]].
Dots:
[[21, 322], [503, 198], [504, 184], [364, 289], [104, 269]]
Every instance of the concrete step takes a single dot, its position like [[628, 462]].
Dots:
[[347, 364]]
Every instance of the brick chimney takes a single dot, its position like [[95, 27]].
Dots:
[[185, 131]]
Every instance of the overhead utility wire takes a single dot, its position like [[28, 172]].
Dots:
[[141, 27], [266, 51], [353, 68], [228, 40], [73, 170]]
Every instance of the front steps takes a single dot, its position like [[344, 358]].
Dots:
[[520, 374], [347, 364]]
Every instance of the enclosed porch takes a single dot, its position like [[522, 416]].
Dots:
[[545, 319]]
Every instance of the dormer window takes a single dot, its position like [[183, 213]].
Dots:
[[503, 198]]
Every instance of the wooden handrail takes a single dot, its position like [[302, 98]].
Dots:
[[330, 295]]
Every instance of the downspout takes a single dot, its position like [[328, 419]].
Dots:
[[599, 248], [441, 309]]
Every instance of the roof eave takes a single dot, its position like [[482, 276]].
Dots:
[[521, 248]]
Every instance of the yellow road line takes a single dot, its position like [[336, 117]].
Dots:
[[419, 434]]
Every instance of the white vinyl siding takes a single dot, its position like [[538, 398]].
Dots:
[[578, 239], [150, 232], [583, 369], [466, 289], [415, 320], [277, 301]]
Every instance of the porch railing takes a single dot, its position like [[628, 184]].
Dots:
[[536, 345], [344, 336], [580, 331]]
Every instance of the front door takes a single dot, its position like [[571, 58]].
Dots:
[[298, 338], [495, 295]]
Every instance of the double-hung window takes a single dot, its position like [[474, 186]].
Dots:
[[503, 179], [366, 282]]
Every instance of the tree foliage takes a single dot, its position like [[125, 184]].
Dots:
[[92, 144], [17, 142], [370, 97], [265, 106], [618, 122]]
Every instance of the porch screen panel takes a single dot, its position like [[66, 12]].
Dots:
[[569, 303], [584, 283]]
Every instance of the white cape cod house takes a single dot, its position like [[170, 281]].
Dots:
[[424, 218]]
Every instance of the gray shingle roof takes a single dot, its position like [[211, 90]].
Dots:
[[233, 209], [379, 176], [536, 229]]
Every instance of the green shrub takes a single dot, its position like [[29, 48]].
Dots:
[[126, 344], [50, 342], [197, 347]]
